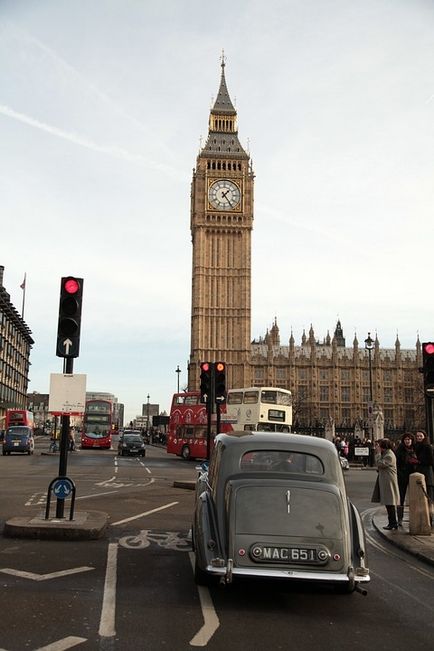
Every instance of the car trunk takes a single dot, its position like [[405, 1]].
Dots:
[[285, 524]]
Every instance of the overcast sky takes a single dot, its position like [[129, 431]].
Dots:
[[102, 107]]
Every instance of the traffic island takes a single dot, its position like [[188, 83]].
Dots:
[[86, 525]]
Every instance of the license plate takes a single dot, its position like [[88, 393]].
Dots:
[[283, 554], [16, 443]]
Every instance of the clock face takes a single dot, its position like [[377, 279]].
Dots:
[[224, 195]]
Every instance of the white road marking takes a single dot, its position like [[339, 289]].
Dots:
[[85, 497], [210, 619], [44, 577], [36, 499], [61, 645], [107, 621], [110, 483], [142, 515]]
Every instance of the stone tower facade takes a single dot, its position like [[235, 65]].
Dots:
[[221, 226]]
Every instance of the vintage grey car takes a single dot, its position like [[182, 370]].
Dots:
[[275, 505]]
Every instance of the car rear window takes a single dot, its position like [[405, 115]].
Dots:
[[281, 461], [18, 433]]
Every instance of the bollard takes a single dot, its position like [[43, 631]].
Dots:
[[420, 520]]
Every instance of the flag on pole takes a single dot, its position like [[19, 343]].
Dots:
[[23, 287]]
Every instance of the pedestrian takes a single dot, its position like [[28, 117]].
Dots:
[[387, 480], [406, 463], [71, 440], [425, 456]]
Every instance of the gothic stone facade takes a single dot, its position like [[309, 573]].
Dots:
[[332, 381]]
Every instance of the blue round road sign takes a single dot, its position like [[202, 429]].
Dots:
[[62, 488]]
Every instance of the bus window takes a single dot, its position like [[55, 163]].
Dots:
[[191, 400], [251, 397], [235, 397], [284, 398], [249, 428], [270, 397]]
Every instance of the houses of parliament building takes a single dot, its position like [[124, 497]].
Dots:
[[330, 381]]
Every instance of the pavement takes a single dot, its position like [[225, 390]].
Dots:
[[420, 546]]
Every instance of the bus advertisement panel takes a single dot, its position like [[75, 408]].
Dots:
[[97, 425], [187, 432], [265, 409]]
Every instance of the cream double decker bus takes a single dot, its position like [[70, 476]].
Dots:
[[266, 409]]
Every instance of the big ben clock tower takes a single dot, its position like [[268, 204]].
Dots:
[[221, 226]]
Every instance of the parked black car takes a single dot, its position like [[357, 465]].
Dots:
[[131, 444], [275, 506]]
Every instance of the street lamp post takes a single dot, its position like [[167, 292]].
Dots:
[[147, 417], [369, 345], [178, 371]]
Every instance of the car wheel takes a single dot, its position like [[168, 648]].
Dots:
[[143, 454], [201, 577], [4, 453], [185, 452]]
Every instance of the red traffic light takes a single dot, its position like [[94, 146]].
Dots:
[[428, 349], [71, 285], [205, 367], [220, 367]]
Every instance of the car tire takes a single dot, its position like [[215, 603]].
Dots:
[[200, 576], [4, 453], [185, 452]]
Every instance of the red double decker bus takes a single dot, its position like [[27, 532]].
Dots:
[[188, 426], [19, 417], [97, 424]]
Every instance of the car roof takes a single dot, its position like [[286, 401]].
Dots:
[[266, 439]]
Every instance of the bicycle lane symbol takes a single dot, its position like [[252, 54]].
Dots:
[[175, 540]]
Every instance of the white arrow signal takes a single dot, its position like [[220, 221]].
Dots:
[[67, 345]]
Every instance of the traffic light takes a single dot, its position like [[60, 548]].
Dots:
[[68, 328], [220, 381], [428, 367], [206, 377]]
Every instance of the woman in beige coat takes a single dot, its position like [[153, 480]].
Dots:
[[387, 480]]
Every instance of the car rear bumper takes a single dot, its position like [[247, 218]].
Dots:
[[295, 575]]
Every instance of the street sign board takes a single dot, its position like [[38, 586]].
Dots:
[[67, 394], [62, 488], [361, 452]]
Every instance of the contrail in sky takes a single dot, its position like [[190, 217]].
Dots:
[[117, 152]]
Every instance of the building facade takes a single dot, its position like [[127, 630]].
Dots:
[[15, 345], [221, 226], [330, 381]]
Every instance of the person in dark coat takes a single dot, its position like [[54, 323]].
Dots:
[[406, 463], [425, 456], [387, 480]]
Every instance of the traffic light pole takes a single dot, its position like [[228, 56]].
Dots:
[[208, 427], [68, 367], [429, 418]]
